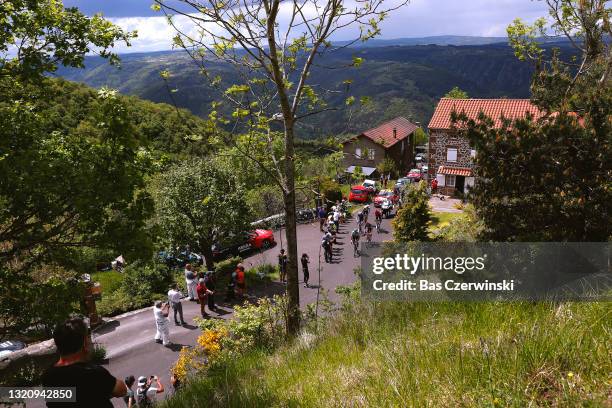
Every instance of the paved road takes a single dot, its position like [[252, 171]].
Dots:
[[129, 339]]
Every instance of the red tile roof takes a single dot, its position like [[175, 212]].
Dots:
[[457, 171], [494, 108], [384, 136]]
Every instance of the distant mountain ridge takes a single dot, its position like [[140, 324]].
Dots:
[[399, 80], [430, 40]]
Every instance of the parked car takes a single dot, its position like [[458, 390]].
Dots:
[[420, 158], [385, 195], [359, 194], [243, 243], [176, 259], [414, 175], [370, 185], [403, 181], [9, 346]]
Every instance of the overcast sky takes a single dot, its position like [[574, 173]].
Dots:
[[420, 18]]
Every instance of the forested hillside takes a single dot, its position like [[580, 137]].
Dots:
[[399, 80], [159, 127]]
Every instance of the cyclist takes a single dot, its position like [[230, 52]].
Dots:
[[378, 216], [366, 212], [359, 220], [355, 240], [368, 230]]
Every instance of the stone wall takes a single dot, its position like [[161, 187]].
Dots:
[[36, 357], [439, 141]]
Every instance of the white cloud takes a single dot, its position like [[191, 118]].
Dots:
[[420, 18]]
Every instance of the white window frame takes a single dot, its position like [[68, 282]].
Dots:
[[358, 152], [449, 150], [450, 180], [371, 154]]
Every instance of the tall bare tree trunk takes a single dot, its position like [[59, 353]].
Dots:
[[293, 289]]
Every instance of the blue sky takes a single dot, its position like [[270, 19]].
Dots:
[[420, 18]]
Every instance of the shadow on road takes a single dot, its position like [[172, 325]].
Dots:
[[176, 347], [107, 327]]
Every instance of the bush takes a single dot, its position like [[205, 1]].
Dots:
[[118, 302], [98, 354], [227, 266], [259, 326], [331, 192], [145, 280], [412, 220]]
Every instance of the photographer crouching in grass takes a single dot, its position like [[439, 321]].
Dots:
[[95, 386]]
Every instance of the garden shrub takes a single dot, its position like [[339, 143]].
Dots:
[[331, 191], [118, 302], [227, 266], [260, 325], [146, 279]]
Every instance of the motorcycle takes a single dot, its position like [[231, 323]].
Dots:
[[387, 207], [307, 215]]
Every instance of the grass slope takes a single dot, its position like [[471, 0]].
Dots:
[[420, 355]]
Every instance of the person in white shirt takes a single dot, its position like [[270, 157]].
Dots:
[[190, 280], [174, 297], [160, 312], [146, 393], [337, 219]]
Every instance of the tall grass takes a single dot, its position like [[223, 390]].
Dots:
[[428, 355]]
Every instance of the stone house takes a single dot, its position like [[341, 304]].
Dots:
[[450, 155], [393, 139]]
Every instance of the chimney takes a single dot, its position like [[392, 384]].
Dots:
[[395, 133]]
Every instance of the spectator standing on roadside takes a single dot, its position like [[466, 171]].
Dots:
[[210, 281], [240, 281], [190, 280], [337, 218], [146, 393], [434, 186], [322, 216], [282, 265], [160, 312], [129, 399], [95, 386], [203, 293], [326, 243], [305, 262], [174, 297]]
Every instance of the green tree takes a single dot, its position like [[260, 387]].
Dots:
[[61, 188], [548, 178], [412, 220], [358, 173], [199, 202], [275, 64], [420, 137], [456, 93], [386, 166]]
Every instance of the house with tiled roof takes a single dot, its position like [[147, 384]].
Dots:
[[450, 155], [393, 139]]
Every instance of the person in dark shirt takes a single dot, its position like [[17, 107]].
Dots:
[[95, 386], [282, 265], [209, 280]]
